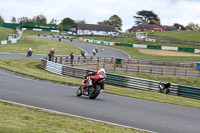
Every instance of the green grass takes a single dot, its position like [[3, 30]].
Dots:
[[16, 119], [39, 45], [173, 35], [4, 32], [136, 54], [130, 40], [32, 68]]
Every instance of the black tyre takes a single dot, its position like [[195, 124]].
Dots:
[[95, 93], [166, 91], [79, 92]]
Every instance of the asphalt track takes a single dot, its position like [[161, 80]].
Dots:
[[148, 115]]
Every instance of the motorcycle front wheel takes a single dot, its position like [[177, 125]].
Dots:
[[79, 92]]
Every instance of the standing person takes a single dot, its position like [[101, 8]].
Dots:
[[72, 58], [51, 54], [59, 39], [83, 53]]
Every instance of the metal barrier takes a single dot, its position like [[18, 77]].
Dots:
[[120, 80]]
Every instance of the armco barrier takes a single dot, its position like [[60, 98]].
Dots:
[[120, 80]]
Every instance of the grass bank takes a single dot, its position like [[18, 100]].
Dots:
[[192, 36], [39, 45], [4, 32], [130, 40], [16, 119], [32, 68]]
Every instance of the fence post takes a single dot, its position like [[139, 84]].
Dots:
[[138, 69], [150, 70], [60, 60], [104, 65], [186, 72], [97, 66], [163, 71], [174, 71], [56, 60], [114, 67], [126, 68]]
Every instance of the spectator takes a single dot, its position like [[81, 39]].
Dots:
[[72, 58], [83, 53], [59, 39], [38, 35]]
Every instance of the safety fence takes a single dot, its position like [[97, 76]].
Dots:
[[120, 80], [112, 60]]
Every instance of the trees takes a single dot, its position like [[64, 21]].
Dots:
[[60, 28], [193, 27], [1, 19], [13, 20], [68, 22], [53, 21], [116, 22], [39, 19], [105, 22], [24, 19], [146, 16]]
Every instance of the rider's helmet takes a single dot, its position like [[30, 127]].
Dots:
[[102, 70], [52, 49]]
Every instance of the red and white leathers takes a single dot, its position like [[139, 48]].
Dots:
[[94, 75]]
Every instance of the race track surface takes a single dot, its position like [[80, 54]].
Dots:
[[148, 115]]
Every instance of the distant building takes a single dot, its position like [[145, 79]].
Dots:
[[92, 29], [151, 28]]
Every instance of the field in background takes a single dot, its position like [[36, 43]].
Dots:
[[39, 45], [4, 32], [193, 36]]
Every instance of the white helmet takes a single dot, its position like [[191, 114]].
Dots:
[[102, 70]]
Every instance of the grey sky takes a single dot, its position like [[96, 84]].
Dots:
[[92, 11]]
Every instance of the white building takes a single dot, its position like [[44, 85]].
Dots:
[[92, 29]]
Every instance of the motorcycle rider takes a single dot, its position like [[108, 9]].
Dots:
[[93, 75], [29, 52]]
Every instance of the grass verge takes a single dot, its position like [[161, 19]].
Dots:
[[130, 40], [4, 32], [39, 45], [17, 119], [32, 68], [173, 35]]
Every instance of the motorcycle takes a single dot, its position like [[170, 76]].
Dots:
[[98, 85], [163, 87], [29, 54]]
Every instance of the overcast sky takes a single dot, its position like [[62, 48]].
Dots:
[[92, 11]]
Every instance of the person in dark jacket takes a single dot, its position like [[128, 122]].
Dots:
[[72, 58]]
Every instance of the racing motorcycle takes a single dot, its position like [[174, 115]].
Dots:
[[29, 54], [98, 85], [163, 87]]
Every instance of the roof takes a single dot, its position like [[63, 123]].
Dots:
[[169, 28], [145, 26], [149, 26], [106, 28]]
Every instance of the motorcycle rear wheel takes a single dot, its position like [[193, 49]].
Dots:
[[95, 93]]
